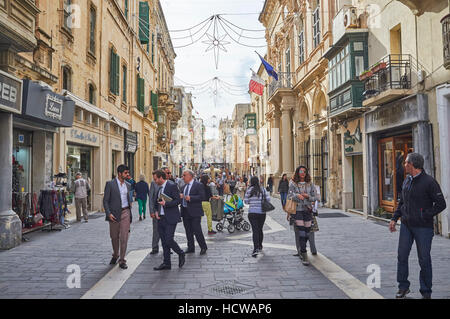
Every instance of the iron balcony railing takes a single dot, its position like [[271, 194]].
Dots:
[[285, 81], [392, 72]]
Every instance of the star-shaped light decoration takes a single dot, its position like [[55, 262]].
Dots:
[[217, 43]]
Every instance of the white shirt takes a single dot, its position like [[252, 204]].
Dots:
[[162, 191], [123, 193]]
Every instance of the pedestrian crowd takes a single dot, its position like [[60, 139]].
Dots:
[[188, 198]]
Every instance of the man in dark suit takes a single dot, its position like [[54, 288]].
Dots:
[[192, 195], [117, 203], [168, 216]]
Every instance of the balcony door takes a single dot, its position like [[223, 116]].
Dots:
[[392, 154]]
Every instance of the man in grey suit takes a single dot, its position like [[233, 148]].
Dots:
[[117, 203], [154, 188]]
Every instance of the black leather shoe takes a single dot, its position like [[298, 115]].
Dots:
[[154, 252], [203, 251], [426, 296], [163, 267], [189, 251], [296, 255], [401, 293], [113, 261], [123, 266], [182, 259]]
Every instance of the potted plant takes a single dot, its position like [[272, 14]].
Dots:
[[365, 75], [379, 66]]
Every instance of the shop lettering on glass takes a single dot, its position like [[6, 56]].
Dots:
[[353, 142], [53, 107], [83, 137]]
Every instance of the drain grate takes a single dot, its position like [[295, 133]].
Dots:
[[332, 215], [229, 289]]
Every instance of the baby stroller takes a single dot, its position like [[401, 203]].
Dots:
[[233, 217]]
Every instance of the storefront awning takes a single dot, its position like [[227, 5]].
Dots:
[[86, 105], [122, 124]]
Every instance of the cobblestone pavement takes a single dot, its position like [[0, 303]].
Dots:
[[38, 268]]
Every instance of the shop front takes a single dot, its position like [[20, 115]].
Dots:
[[393, 131], [43, 112], [352, 165], [131, 145], [83, 146]]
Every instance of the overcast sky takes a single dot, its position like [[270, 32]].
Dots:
[[194, 65]]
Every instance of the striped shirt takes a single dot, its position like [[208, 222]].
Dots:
[[255, 202]]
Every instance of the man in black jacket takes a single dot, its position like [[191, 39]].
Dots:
[[421, 199], [168, 216]]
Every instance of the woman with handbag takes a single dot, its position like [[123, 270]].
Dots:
[[303, 192], [254, 197]]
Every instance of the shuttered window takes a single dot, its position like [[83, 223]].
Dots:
[[124, 84], [144, 22], [154, 97], [92, 23], [140, 93], [114, 75]]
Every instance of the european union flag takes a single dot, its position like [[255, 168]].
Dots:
[[268, 67]]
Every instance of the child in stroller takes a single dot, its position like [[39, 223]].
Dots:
[[233, 216]]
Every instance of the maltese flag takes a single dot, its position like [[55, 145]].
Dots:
[[257, 85]]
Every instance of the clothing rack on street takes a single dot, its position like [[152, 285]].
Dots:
[[53, 206]]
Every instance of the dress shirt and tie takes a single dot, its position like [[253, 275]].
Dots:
[[187, 189]]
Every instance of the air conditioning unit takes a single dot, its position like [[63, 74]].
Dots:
[[351, 18], [421, 75]]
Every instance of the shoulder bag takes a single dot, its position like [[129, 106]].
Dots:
[[265, 205]]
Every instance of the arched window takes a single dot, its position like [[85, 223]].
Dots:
[[91, 94], [67, 78]]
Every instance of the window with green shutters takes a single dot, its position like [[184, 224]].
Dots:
[[144, 22], [124, 84], [154, 97], [114, 69], [140, 94], [126, 9], [153, 48]]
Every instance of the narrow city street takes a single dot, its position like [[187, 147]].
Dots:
[[347, 245]]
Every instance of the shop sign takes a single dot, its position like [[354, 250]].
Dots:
[[131, 141], [80, 136], [10, 93], [42, 105], [400, 113], [353, 143], [54, 107]]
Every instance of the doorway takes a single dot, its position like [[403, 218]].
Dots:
[[357, 182], [392, 154]]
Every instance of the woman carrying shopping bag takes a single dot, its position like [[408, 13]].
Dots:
[[254, 197], [303, 192]]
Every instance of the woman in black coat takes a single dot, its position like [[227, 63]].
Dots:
[[283, 189]]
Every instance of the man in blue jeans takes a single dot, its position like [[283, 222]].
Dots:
[[421, 199]]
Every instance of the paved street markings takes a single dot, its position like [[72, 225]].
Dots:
[[109, 285], [350, 285]]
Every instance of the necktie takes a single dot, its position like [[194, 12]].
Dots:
[[409, 183], [186, 192]]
